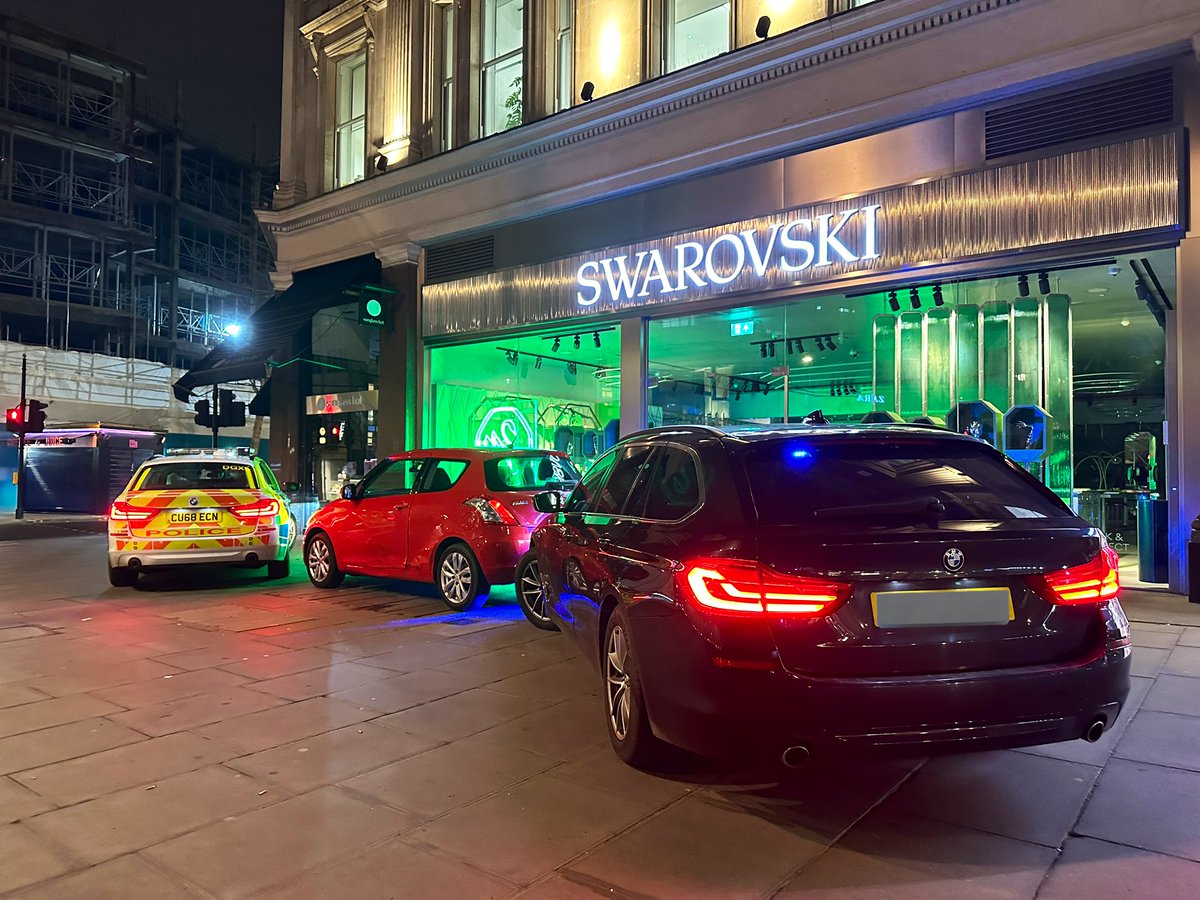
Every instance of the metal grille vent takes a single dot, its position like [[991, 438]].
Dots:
[[451, 261], [1109, 107]]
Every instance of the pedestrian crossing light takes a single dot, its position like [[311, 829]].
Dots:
[[14, 420], [35, 422]]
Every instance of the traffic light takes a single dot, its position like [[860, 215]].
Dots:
[[35, 420], [204, 414], [231, 413], [14, 421]]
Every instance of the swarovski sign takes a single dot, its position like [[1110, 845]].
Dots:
[[792, 246]]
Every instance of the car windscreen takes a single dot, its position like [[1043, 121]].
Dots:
[[832, 482], [529, 472], [192, 476]]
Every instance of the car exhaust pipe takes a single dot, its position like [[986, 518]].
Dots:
[[1095, 730], [251, 557], [135, 563], [795, 757]]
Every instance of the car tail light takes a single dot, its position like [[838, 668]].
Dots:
[[492, 511], [126, 512], [1092, 582], [266, 508], [739, 586]]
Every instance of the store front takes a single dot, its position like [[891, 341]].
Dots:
[[1026, 304]]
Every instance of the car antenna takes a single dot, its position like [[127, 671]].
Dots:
[[816, 417]]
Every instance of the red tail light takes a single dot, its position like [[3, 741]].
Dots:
[[738, 586], [1090, 583], [492, 511], [125, 512], [265, 508]]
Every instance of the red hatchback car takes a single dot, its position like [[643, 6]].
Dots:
[[458, 518]]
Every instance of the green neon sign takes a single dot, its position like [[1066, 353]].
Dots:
[[504, 427]]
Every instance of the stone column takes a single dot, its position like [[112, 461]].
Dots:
[[288, 434], [1182, 362], [398, 420], [397, 45]]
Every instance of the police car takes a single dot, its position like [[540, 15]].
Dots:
[[199, 506]]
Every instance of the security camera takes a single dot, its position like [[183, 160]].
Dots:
[[1114, 271]]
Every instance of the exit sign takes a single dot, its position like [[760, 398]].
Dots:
[[741, 329]]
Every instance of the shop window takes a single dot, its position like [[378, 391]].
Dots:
[[350, 127], [446, 102], [503, 45], [563, 54], [696, 30], [553, 390], [443, 474]]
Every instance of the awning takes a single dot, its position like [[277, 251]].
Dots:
[[271, 328]]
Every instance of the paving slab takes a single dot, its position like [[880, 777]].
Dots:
[[127, 878], [25, 858], [284, 724], [63, 742], [1145, 806], [1090, 868]]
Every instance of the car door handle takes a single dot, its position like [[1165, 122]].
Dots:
[[399, 507]]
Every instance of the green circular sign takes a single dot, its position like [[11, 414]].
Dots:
[[374, 307]]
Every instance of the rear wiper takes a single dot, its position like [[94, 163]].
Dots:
[[931, 508]]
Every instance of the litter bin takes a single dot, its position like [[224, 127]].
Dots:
[[1193, 559], [1152, 540]]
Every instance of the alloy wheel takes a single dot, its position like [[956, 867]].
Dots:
[[318, 560], [456, 577], [616, 676], [531, 590]]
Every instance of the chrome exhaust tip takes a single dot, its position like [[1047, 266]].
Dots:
[[134, 563], [794, 757], [251, 557], [1095, 730]]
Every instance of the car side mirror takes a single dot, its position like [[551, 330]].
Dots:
[[350, 491], [291, 487], [548, 502]]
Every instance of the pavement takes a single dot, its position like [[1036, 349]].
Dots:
[[212, 733]]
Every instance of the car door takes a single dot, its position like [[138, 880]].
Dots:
[[430, 509], [589, 532], [374, 538]]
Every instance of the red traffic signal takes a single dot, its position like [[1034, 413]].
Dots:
[[14, 421], [35, 421]]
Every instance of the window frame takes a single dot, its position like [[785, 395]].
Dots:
[[431, 465], [490, 65], [700, 482], [348, 66], [667, 11], [564, 33], [378, 472]]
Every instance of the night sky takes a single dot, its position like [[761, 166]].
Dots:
[[225, 54]]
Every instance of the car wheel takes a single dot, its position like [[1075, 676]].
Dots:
[[459, 580], [278, 568], [531, 594], [624, 702], [122, 576], [321, 562]]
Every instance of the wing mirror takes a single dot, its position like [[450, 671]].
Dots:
[[350, 491], [548, 502], [291, 487]]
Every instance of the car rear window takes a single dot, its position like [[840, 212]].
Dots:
[[191, 476], [529, 472], [829, 482]]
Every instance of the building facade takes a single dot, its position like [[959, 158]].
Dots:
[[120, 236], [591, 217]]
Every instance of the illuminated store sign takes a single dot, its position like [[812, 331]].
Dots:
[[793, 246]]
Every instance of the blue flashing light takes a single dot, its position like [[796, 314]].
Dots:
[[801, 454]]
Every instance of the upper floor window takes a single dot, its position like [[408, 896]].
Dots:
[[350, 127], [563, 54], [503, 43], [696, 30], [447, 77]]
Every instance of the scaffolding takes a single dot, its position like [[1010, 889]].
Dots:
[[119, 232]]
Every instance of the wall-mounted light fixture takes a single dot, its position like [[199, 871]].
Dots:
[[381, 163], [587, 92], [762, 28]]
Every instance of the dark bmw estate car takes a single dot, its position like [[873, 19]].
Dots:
[[819, 590]]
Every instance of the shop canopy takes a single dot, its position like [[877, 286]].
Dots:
[[267, 337]]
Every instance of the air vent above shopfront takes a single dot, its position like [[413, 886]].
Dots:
[[447, 262], [1118, 105]]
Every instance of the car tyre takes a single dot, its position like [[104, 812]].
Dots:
[[624, 701], [531, 594], [122, 576], [279, 568], [321, 562], [459, 580]]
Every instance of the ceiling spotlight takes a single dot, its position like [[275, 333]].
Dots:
[[789, 345], [557, 344], [588, 91], [762, 350], [893, 302], [576, 342], [832, 391], [771, 346], [572, 368], [762, 28], [799, 345], [820, 343], [737, 395], [512, 356], [938, 299], [766, 389], [537, 362], [1023, 285], [596, 338], [1043, 283], [914, 297], [829, 344]]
